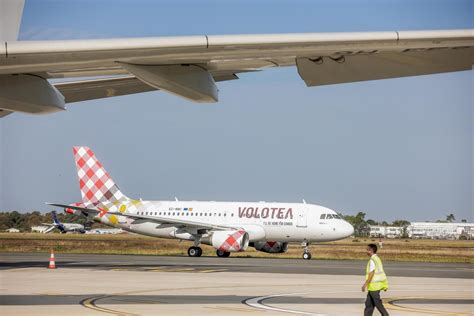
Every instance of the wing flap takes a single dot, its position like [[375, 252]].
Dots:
[[352, 68]]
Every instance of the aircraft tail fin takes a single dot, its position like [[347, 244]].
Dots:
[[57, 223], [55, 218], [11, 12], [95, 183]]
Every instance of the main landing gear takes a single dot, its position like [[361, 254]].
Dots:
[[194, 251], [306, 253], [222, 253]]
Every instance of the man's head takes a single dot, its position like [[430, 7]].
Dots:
[[371, 249]]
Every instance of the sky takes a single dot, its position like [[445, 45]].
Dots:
[[395, 149]]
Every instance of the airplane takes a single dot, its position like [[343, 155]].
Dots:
[[226, 226], [63, 227], [190, 66]]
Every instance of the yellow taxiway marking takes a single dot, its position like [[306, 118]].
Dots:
[[236, 309], [90, 303], [390, 304], [169, 269], [465, 269], [163, 269], [211, 271]]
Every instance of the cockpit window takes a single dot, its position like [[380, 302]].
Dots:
[[330, 216]]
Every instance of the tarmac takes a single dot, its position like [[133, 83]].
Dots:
[[86, 284]]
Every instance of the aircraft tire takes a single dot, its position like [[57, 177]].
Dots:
[[194, 252], [306, 256], [222, 254]]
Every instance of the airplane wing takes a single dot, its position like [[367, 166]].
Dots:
[[190, 66], [159, 220], [50, 228]]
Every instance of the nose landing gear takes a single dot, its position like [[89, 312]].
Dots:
[[306, 253]]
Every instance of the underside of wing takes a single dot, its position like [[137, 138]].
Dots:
[[76, 91], [190, 66]]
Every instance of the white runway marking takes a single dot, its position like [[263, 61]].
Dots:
[[256, 302]]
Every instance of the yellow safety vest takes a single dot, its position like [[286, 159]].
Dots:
[[379, 281]]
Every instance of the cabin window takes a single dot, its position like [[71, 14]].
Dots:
[[219, 214]]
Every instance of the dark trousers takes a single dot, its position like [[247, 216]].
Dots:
[[374, 300]]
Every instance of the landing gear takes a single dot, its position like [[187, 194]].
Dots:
[[222, 254], [194, 251], [306, 253]]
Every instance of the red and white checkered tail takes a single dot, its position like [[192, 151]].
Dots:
[[95, 183]]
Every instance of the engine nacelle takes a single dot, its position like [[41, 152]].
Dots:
[[228, 240], [271, 246]]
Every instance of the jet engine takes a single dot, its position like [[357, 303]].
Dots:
[[228, 240], [271, 246]]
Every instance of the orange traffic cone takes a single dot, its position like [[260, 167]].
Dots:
[[52, 264]]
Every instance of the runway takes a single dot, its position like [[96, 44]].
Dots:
[[148, 285], [252, 265]]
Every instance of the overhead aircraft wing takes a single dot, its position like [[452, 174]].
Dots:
[[189, 66], [154, 219]]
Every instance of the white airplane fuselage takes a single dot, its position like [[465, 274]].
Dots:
[[286, 222]]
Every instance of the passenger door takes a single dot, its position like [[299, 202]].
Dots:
[[301, 220]]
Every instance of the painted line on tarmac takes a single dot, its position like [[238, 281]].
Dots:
[[90, 304], [257, 302], [234, 309], [391, 304]]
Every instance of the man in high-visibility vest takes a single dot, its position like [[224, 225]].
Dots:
[[375, 281]]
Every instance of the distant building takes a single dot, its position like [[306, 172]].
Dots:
[[386, 231], [441, 230], [12, 230], [426, 230], [39, 229]]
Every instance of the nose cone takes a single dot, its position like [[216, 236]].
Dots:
[[348, 229]]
